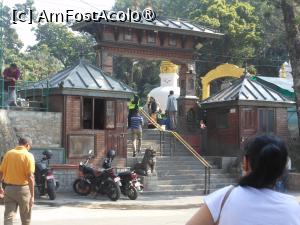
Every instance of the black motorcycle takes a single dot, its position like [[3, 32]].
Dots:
[[129, 179], [97, 181], [44, 178]]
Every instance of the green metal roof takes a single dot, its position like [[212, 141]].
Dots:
[[281, 85], [247, 89], [84, 79]]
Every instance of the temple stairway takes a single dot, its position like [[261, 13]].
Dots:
[[177, 171]]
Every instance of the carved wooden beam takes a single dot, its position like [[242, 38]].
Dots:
[[116, 33], [140, 35], [161, 38], [183, 41]]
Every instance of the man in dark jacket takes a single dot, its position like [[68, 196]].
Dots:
[[11, 75], [133, 106]]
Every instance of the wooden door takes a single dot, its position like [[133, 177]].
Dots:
[[117, 138], [248, 124]]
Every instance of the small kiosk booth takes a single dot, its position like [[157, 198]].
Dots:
[[94, 110], [244, 109]]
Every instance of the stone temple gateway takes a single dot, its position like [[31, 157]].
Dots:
[[162, 39]]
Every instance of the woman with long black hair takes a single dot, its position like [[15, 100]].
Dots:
[[253, 201]]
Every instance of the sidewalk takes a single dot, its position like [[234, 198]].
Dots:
[[144, 201]]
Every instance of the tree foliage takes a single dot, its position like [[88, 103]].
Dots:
[[254, 31], [237, 20], [63, 44], [57, 47]]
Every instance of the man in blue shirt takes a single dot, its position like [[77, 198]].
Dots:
[[172, 110], [136, 131]]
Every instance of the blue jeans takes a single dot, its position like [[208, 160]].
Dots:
[[10, 98]]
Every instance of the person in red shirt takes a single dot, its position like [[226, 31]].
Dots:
[[11, 75]]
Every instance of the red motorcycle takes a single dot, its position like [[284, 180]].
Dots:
[[98, 181], [131, 184]]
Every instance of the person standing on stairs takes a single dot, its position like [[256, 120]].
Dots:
[[136, 124], [172, 110], [133, 105], [11, 75]]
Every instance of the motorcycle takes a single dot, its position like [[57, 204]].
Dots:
[[97, 181], [129, 179], [44, 178], [131, 184]]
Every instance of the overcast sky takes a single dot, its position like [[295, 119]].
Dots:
[[24, 29]]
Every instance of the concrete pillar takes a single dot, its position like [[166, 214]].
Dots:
[[187, 107], [104, 60]]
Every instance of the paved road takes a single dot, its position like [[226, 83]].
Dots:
[[70, 209], [47, 215]]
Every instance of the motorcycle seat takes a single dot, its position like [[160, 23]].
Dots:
[[124, 173]]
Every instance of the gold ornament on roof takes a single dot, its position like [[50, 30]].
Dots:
[[168, 67], [282, 72]]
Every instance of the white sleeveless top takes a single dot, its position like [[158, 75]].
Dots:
[[251, 206]]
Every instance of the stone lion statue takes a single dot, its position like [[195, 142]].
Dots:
[[147, 165]]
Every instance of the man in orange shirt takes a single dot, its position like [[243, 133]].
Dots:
[[17, 174]]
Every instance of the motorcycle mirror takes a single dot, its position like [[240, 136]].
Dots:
[[91, 152]]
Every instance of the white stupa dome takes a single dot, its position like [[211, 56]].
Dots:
[[286, 71], [168, 82]]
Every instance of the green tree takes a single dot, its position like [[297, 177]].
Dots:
[[63, 44], [163, 8], [11, 44], [236, 19], [291, 10], [141, 75]]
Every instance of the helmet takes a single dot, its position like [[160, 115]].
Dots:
[[111, 154], [48, 154]]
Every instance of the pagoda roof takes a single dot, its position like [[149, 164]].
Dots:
[[85, 79], [176, 26], [247, 90]]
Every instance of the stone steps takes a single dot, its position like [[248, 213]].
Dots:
[[188, 187], [194, 181], [187, 172], [178, 173], [193, 177], [196, 192]]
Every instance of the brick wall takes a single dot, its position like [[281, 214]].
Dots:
[[223, 141], [73, 127], [281, 123], [72, 113], [294, 181]]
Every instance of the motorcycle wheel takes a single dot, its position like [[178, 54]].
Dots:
[[82, 187], [51, 189], [132, 193], [113, 190]]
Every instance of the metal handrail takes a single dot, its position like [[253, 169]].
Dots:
[[188, 147], [191, 149], [26, 90], [157, 126]]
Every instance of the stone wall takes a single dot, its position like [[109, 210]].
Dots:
[[45, 128], [65, 174], [8, 138]]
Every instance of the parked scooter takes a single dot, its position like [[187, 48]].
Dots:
[[98, 181], [44, 178], [130, 182]]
